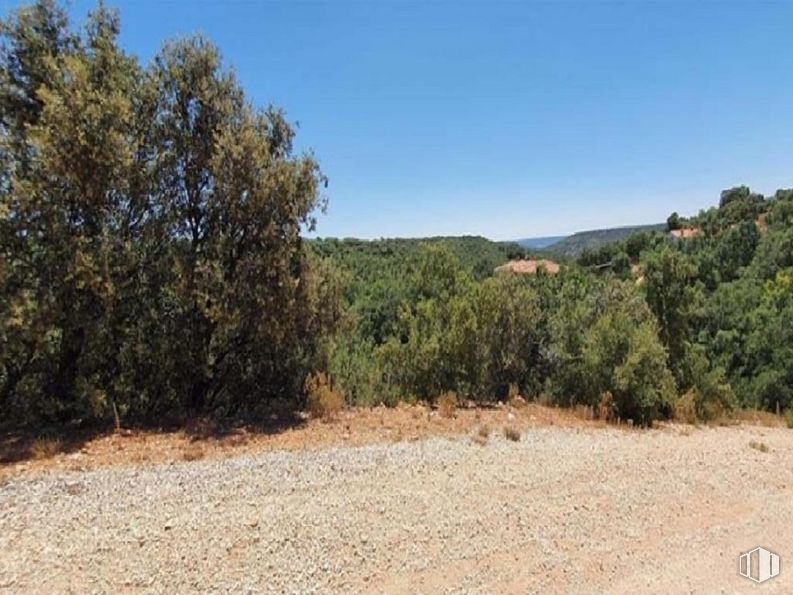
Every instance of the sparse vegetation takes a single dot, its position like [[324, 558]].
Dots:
[[607, 409], [511, 433], [193, 452], [44, 448], [447, 404], [761, 446], [323, 402], [685, 409]]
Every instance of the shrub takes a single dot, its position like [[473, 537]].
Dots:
[[789, 417], [322, 401], [607, 409], [447, 404], [711, 392], [482, 434], [356, 372], [511, 433], [761, 446], [44, 448], [193, 452], [685, 408]]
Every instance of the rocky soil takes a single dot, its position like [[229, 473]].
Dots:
[[563, 510]]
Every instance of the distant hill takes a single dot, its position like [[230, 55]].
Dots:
[[539, 243], [572, 246], [372, 259]]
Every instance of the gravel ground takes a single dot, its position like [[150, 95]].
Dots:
[[562, 510]]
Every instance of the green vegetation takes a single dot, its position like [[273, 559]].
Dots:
[[152, 267], [150, 223], [577, 244]]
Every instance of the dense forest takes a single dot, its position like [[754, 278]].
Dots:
[[663, 323], [153, 265]]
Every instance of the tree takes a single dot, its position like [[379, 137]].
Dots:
[[67, 203], [673, 222], [608, 344], [669, 286], [152, 258]]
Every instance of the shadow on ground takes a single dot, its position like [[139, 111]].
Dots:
[[36, 444]]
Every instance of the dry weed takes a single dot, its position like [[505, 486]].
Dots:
[[757, 418], [323, 402], [44, 448], [685, 408], [761, 446], [511, 433], [193, 452], [447, 404], [607, 407]]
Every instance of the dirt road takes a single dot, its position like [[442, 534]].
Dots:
[[564, 510]]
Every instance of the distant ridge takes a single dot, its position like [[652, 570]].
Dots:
[[539, 243], [573, 245]]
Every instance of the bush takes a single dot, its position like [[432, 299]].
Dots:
[[711, 393], [322, 401], [761, 446], [193, 452], [789, 417], [45, 448], [356, 372], [607, 408], [447, 404], [621, 355], [511, 433], [482, 434], [685, 408]]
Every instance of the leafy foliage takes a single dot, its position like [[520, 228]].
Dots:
[[152, 265], [150, 235]]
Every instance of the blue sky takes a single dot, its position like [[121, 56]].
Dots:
[[508, 119]]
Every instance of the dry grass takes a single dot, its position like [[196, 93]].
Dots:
[[447, 404], [583, 412], [193, 452], [754, 417], [477, 439], [201, 427], [685, 409], [45, 448], [511, 433], [788, 415], [761, 446], [323, 402], [481, 435], [607, 408], [361, 426]]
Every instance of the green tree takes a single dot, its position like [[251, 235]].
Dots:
[[671, 293], [152, 258]]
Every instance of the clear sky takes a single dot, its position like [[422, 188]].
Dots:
[[508, 119]]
